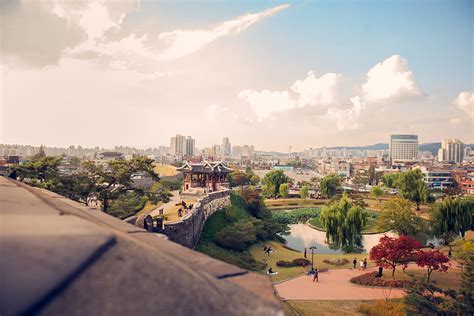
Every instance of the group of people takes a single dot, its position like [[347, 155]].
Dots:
[[362, 266], [185, 207]]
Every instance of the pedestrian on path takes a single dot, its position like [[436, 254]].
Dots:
[[361, 266], [354, 262], [365, 264], [316, 275]]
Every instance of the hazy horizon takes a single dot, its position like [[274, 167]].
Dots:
[[271, 74]]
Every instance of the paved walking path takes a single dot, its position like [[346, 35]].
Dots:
[[333, 285], [173, 200]]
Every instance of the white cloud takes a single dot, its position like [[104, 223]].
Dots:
[[182, 43], [322, 92], [266, 102], [346, 119], [465, 103], [390, 79]]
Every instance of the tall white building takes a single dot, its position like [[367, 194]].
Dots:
[[226, 147], [190, 146], [403, 148], [182, 146], [452, 150]]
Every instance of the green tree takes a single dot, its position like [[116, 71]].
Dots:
[[411, 186], [452, 215], [396, 215], [371, 175], [284, 190], [391, 180], [466, 258], [115, 178], [304, 192], [425, 298], [273, 180], [330, 185], [254, 180], [377, 192], [42, 169], [237, 236], [343, 222]]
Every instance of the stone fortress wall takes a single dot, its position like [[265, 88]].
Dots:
[[187, 231]]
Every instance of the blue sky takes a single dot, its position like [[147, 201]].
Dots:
[[309, 74]]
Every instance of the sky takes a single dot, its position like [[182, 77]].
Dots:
[[271, 74]]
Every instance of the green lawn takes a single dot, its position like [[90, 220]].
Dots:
[[282, 253]]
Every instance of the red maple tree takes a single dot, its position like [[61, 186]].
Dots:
[[391, 252], [434, 260]]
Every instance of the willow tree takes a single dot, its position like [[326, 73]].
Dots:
[[453, 215], [343, 222]]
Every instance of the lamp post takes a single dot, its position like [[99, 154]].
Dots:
[[312, 256]]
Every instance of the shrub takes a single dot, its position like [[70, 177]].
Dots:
[[336, 261], [301, 261], [382, 308], [295, 263], [370, 279], [284, 264]]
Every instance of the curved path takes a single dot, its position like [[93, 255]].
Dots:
[[333, 285]]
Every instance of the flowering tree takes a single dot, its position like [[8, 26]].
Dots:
[[434, 260], [391, 252]]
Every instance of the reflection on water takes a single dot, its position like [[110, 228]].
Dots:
[[301, 236]]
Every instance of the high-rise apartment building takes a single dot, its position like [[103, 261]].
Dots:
[[403, 148], [182, 146], [226, 147], [452, 150], [190, 146]]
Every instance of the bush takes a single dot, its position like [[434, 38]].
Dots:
[[284, 264], [298, 262], [370, 279], [336, 261], [301, 261], [237, 236], [382, 308]]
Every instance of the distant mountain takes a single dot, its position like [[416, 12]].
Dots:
[[378, 146], [431, 147]]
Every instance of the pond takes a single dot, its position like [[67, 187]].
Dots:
[[302, 235]]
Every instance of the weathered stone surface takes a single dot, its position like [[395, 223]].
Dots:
[[141, 273]]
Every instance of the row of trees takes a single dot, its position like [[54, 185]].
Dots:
[[110, 184]]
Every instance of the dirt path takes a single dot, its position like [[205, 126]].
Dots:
[[333, 285]]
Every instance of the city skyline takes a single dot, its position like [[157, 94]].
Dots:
[[134, 73]]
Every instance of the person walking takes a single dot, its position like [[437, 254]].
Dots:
[[316, 275], [365, 264], [361, 266], [354, 262]]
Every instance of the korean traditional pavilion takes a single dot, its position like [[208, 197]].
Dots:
[[205, 176]]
